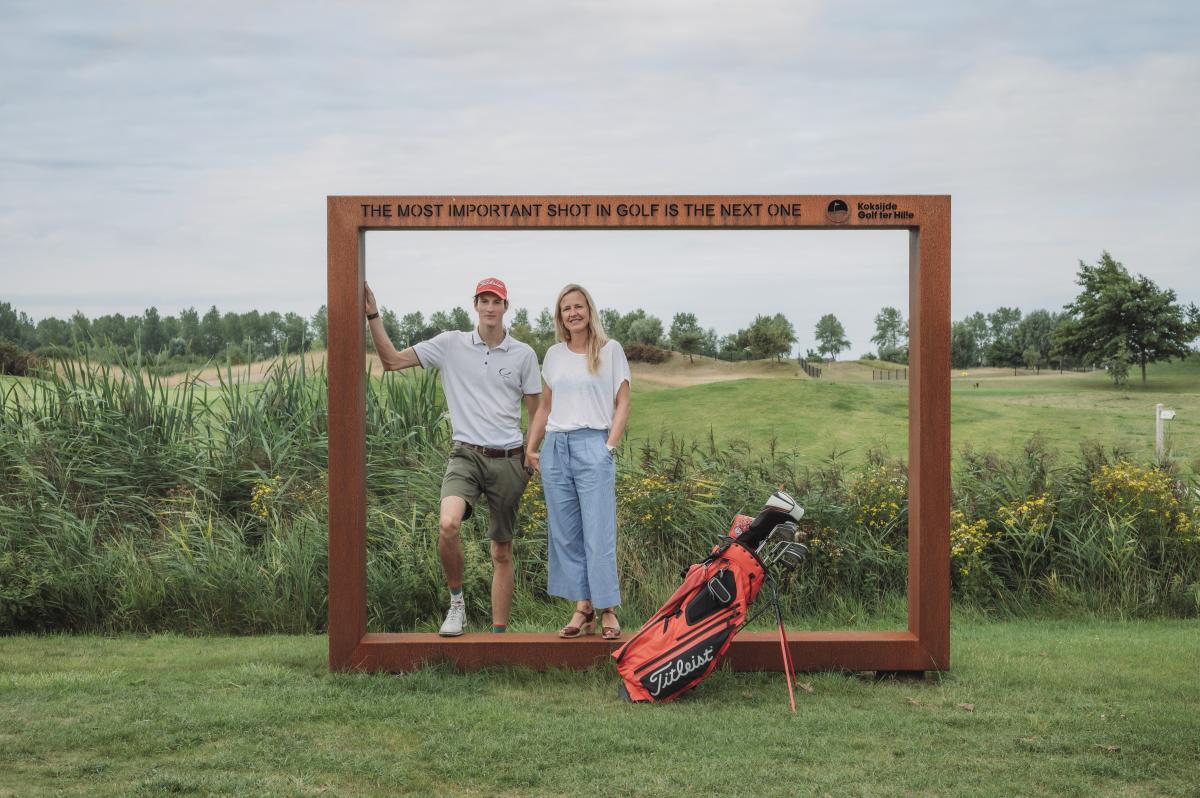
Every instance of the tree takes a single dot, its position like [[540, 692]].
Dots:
[[1118, 317], [320, 326], [81, 328], [890, 330], [460, 320], [780, 335], [733, 347], [53, 331], [831, 336], [520, 329], [111, 328], [710, 344], [785, 335], [964, 346], [391, 327], [1003, 348], [274, 332], [256, 333], [153, 337], [1033, 337], [170, 328], [189, 327], [411, 330], [646, 330], [543, 328], [1118, 366], [767, 336], [978, 325], [686, 335], [211, 338], [610, 320], [233, 332], [17, 327], [441, 321], [296, 336], [617, 326]]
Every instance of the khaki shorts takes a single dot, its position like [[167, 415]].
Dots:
[[501, 480]]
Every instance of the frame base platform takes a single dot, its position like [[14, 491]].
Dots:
[[751, 651]]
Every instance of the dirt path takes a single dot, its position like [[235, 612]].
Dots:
[[679, 372]]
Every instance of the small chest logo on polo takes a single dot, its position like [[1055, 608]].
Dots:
[[506, 374]]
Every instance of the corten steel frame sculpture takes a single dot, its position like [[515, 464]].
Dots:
[[926, 643]]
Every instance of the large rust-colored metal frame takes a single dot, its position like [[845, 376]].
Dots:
[[926, 643]]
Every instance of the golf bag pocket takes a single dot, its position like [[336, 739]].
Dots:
[[684, 641], [719, 592]]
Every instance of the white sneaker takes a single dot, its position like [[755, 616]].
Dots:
[[455, 617]]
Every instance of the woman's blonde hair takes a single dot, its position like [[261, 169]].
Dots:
[[596, 337]]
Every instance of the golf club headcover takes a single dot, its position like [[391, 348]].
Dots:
[[780, 508]]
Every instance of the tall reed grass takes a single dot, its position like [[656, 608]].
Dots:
[[127, 503]]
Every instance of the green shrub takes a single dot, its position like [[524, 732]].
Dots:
[[646, 353], [16, 361]]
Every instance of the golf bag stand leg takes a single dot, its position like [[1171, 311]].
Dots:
[[788, 672]]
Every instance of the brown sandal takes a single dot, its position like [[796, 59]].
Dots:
[[586, 628], [609, 632]]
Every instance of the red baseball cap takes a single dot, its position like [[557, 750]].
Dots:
[[492, 285]]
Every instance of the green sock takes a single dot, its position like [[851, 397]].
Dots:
[[499, 629], [456, 593]]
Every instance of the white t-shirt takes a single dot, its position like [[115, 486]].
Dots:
[[483, 385], [582, 400]]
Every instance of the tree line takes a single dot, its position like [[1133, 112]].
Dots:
[[1118, 321], [766, 336], [240, 336]]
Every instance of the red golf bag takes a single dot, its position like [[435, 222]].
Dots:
[[684, 641]]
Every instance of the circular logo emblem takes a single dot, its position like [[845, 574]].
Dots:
[[838, 211]]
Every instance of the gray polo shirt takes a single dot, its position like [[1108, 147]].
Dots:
[[483, 385]]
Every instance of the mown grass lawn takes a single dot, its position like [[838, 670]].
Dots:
[[1063, 708], [818, 417]]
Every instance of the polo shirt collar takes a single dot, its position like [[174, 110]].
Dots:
[[477, 339]]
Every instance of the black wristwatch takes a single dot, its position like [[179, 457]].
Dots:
[[374, 315]]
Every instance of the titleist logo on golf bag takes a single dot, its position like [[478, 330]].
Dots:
[[675, 670], [687, 667]]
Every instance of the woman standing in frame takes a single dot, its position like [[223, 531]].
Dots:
[[583, 413]]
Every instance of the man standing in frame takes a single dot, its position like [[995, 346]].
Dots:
[[486, 374]]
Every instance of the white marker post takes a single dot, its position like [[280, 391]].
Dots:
[[1160, 415]]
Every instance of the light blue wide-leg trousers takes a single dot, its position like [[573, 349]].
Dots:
[[579, 482]]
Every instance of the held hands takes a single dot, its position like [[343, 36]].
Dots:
[[369, 305], [534, 460]]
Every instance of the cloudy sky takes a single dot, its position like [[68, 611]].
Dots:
[[179, 154]]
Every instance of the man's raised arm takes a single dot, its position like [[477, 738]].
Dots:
[[391, 359]]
